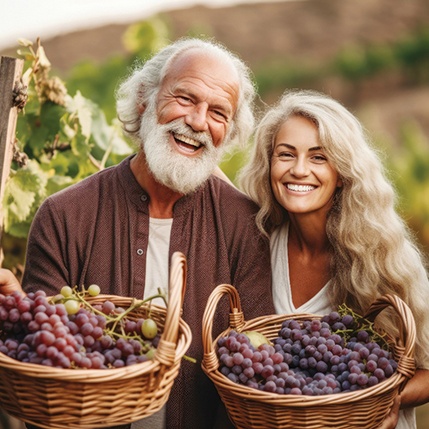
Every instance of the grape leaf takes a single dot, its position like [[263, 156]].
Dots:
[[24, 189]]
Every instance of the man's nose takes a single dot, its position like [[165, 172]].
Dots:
[[197, 117]]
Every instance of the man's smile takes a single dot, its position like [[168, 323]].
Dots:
[[187, 143]]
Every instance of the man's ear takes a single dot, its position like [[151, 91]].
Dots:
[[141, 108]]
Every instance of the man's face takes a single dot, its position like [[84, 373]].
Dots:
[[202, 89], [183, 135]]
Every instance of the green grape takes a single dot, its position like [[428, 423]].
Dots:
[[151, 353], [66, 291], [72, 306], [149, 328], [94, 290]]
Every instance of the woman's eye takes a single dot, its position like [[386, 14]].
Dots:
[[284, 155]]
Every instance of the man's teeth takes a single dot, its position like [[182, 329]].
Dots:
[[300, 188], [187, 140]]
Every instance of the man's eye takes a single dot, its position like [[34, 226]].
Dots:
[[220, 114], [184, 98]]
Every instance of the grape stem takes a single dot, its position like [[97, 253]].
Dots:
[[113, 321], [362, 324]]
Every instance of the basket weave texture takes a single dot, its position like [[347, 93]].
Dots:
[[84, 398], [250, 408]]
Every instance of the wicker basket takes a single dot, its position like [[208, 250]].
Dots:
[[84, 398], [250, 408]]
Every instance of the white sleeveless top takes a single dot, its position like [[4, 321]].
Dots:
[[282, 294], [319, 304]]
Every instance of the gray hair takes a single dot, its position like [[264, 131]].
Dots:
[[142, 85]]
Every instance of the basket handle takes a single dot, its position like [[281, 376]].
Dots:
[[177, 285], [236, 321], [404, 347]]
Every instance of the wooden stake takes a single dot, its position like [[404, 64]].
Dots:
[[10, 74]]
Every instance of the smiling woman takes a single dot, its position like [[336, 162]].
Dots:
[[334, 233], [302, 179]]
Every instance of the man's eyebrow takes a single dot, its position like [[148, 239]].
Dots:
[[223, 107]]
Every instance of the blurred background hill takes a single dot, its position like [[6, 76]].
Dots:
[[372, 55]]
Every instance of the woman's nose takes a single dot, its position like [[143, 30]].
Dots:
[[300, 168]]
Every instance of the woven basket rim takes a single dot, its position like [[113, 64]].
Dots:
[[177, 287], [246, 392], [40, 395]]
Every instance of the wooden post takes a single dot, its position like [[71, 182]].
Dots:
[[10, 74]]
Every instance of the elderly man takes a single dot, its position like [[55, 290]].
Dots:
[[119, 227]]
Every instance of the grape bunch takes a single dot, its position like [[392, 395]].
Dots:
[[66, 331], [324, 356]]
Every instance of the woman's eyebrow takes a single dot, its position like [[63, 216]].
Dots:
[[289, 146]]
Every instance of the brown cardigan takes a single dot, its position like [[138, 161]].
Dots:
[[97, 232]]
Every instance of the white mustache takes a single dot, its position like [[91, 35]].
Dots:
[[178, 126]]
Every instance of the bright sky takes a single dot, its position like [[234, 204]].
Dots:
[[46, 18]]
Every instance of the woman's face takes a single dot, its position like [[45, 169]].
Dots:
[[302, 179]]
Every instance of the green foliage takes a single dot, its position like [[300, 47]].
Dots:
[[98, 82], [408, 57], [277, 76], [144, 38], [68, 133], [358, 62], [64, 139], [411, 166], [413, 54], [24, 193], [232, 163]]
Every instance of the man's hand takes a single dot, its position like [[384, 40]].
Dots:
[[391, 420], [8, 282]]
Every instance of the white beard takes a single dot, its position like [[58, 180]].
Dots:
[[176, 171]]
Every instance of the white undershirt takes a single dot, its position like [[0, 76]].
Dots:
[[157, 263], [157, 269]]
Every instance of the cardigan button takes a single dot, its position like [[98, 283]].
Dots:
[[140, 252]]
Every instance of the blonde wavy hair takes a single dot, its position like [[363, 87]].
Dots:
[[373, 251]]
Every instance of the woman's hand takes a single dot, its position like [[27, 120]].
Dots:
[[8, 282], [391, 420]]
